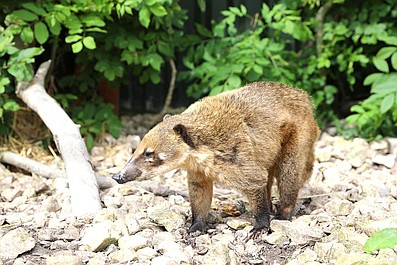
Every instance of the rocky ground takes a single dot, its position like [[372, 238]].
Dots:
[[351, 195]]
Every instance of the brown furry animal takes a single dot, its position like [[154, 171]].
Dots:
[[241, 139]]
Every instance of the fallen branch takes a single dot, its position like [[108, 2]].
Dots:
[[45, 171], [82, 182]]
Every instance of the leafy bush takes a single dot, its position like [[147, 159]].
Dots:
[[108, 38], [377, 115], [225, 58]]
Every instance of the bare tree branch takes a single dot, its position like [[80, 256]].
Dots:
[[82, 181]]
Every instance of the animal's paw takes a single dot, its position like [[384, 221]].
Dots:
[[197, 228]]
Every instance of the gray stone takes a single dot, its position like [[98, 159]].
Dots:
[[164, 260], [123, 255], [101, 235], [218, 254], [351, 239], [299, 232], [329, 250], [237, 224], [164, 242], [385, 257], [275, 238], [133, 242], [15, 242], [353, 258], [392, 145], [52, 205], [132, 223], [162, 215], [147, 253], [376, 226], [9, 194], [307, 256], [339, 207], [385, 160], [64, 259]]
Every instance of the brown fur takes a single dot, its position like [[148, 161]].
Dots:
[[243, 139]]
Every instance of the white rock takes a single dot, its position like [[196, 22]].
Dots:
[[376, 226], [218, 254], [133, 242], [392, 145], [307, 256], [146, 253], [161, 214], [351, 239], [352, 258], [164, 242], [339, 207], [331, 176], [101, 235], [64, 259], [237, 224], [275, 238], [123, 255], [132, 223], [164, 260], [300, 233], [329, 250], [15, 242], [9, 194], [385, 160]]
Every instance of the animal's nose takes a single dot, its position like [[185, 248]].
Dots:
[[119, 178]]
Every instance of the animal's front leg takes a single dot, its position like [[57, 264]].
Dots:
[[200, 193]]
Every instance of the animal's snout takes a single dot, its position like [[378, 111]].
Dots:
[[119, 177], [129, 173]]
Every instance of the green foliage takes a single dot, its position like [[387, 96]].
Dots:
[[108, 37], [95, 117], [377, 115], [386, 238], [227, 59]]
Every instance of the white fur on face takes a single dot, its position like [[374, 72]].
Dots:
[[162, 156]]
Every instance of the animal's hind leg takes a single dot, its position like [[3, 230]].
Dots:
[[289, 181]]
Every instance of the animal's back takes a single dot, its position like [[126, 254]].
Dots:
[[262, 112]]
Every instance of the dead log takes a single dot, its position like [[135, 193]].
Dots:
[[82, 183]]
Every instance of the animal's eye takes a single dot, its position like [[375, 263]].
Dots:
[[149, 155]]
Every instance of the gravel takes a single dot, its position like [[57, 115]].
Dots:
[[351, 195]]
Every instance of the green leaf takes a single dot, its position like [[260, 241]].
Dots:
[[385, 52], [89, 141], [386, 238], [11, 105], [202, 5], [92, 21], [73, 38], [77, 47], [372, 78], [234, 81], [387, 103], [381, 64], [25, 15], [387, 86], [41, 32], [89, 42], [158, 10], [27, 35], [34, 7], [394, 61], [144, 17], [53, 25]]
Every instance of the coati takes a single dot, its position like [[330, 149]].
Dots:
[[241, 139]]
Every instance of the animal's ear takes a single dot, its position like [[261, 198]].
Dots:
[[181, 130], [166, 116]]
